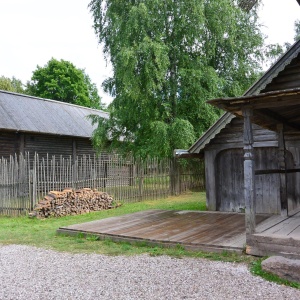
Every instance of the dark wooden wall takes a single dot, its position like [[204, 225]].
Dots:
[[9, 143], [224, 170], [286, 79], [12, 142]]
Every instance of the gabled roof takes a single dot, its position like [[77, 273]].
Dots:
[[255, 89], [23, 113]]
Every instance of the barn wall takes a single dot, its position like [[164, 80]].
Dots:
[[224, 191], [84, 147], [12, 142], [232, 137], [9, 143], [230, 181]]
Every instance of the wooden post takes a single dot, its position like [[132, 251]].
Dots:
[[282, 166], [74, 164], [141, 178], [249, 169], [173, 177]]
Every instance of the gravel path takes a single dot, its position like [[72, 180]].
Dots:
[[31, 273]]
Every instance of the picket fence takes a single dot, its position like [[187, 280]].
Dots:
[[25, 179]]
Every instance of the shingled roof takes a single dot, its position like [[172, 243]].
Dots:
[[23, 113]]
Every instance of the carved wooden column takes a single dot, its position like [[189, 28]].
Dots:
[[282, 166], [249, 172]]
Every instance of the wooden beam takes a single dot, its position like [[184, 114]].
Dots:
[[276, 171], [249, 167], [282, 165], [178, 153], [277, 118]]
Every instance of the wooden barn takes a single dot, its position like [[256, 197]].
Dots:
[[30, 124], [223, 148], [252, 158]]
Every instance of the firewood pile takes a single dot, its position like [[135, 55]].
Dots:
[[72, 202]]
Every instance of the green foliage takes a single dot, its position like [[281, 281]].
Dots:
[[168, 58], [297, 30], [11, 85], [62, 81]]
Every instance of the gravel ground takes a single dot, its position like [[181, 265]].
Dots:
[[31, 273]]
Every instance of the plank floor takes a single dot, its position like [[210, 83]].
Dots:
[[284, 227], [278, 235], [207, 231]]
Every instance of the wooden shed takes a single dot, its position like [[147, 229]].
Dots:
[[223, 146], [30, 124]]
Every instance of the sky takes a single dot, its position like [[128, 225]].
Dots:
[[34, 31]]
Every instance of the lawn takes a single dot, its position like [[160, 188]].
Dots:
[[42, 233]]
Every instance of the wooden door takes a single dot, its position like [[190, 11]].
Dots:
[[230, 181]]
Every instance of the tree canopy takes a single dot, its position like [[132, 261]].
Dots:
[[11, 84], [62, 81], [168, 58]]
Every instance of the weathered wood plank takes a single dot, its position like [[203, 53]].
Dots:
[[249, 167], [282, 165], [192, 229]]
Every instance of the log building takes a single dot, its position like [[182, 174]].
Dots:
[[252, 158], [223, 145], [31, 124]]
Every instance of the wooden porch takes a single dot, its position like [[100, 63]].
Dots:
[[275, 110], [194, 230], [200, 231], [278, 235]]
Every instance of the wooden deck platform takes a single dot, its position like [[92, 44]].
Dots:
[[205, 231], [276, 236]]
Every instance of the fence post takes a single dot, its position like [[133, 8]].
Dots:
[[174, 177], [130, 173], [141, 179], [31, 192]]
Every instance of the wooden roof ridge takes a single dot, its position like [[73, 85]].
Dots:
[[211, 132], [256, 88], [25, 113], [55, 101], [274, 70]]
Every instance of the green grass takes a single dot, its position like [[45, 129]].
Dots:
[[42, 233]]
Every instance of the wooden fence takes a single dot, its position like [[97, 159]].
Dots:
[[24, 181]]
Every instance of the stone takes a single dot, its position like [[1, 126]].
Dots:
[[285, 268]]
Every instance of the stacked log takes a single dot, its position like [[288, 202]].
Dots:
[[72, 202]]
